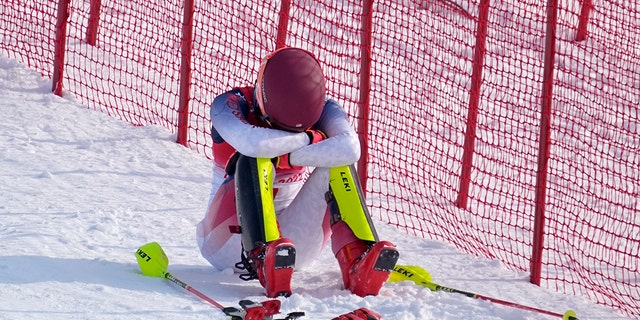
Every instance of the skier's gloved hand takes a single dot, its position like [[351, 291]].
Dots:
[[315, 135], [282, 162]]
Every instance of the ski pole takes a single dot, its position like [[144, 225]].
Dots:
[[421, 277], [154, 262]]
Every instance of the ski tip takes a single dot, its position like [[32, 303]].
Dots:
[[570, 315]]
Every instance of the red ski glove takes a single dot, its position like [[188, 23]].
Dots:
[[315, 135], [282, 162]]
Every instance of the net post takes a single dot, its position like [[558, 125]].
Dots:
[[544, 143], [92, 23], [60, 46], [474, 101], [185, 73]]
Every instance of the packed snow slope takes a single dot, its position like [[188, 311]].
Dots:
[[80, 192]]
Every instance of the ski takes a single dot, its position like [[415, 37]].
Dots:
[[265, 310], [359, 314]]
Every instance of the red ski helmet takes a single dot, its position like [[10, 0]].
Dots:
[[290, 89]]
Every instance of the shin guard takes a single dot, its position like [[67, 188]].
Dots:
[[267, 256], [254, 201], [365, 261]]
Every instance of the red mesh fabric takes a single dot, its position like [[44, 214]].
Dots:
[[421, 79]]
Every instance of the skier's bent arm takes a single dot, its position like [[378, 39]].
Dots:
[[250, 140], [341, 147]]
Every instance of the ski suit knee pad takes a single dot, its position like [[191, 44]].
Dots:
[[254, 201], [347, 203]]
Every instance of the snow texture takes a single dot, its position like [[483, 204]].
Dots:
[[80, 192]]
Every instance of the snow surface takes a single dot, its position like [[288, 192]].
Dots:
[[80, 192]]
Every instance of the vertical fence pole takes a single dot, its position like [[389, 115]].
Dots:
[[283, 23], [545, 142], [60, 46], [92, 23], [185, 73], [581, 33], [365, 90], [474, 101]]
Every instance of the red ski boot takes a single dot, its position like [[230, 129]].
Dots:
[[273, 265], [366, 267]]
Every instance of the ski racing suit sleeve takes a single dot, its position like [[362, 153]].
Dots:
[[340, 148], [253, 141]]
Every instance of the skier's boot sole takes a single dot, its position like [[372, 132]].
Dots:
[[371, 270], [278, 267]]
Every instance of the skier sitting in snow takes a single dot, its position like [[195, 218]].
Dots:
[[263, 208]]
